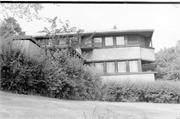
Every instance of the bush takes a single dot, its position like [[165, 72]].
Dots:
[[58, 75], [157, 92], [69, 79], [20, 73]]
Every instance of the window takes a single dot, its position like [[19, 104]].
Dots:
[[62, 41], [108, 41], [97, 42], [133, 66], [120, 40], [87, 42], [44, 42], [110, 67], [99, 66], [122, 66], [50, 42]]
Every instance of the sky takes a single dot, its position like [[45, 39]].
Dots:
[[163, 18]]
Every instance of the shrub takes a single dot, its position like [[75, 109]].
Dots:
[[20, 73], [59, 75], [69, 79], [157, 92]]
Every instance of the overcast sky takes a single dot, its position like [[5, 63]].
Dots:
[[163, 18]]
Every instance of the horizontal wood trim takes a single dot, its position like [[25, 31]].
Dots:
[[127, 73], [117, 46], [113, 60]]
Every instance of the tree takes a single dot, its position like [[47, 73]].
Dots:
[[9, 26], [21, 10], [57, 26], [168, 63]]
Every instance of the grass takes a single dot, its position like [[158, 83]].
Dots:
[[15, 106]]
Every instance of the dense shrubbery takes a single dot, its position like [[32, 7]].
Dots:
[[65, 77], [168, 63], [70, 79], [20, 73], [157, 92], [61, 76]]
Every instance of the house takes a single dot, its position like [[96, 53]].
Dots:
[[117, 54]]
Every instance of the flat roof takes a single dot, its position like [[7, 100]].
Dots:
[[143, 32]]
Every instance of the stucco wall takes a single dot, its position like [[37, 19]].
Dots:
[[22, 44], [113, 54], [149, 77], [28, 47], [147, 54], [34, 49]]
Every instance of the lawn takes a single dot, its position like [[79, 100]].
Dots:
[[15, 106]]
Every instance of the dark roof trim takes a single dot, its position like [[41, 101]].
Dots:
[[27, 38], [144, 32]]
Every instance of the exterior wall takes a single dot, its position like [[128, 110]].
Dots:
[[147, 54], [146, 77], [34, 49], [22, 44], [122, 53], [113, 54], [27, 47]]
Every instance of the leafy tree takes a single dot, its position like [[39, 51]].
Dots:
[[57, 26], [9, 26], [21, 10], [168, 63]]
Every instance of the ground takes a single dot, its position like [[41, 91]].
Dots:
[[15, 106]]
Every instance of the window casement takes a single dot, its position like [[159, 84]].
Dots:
[[110, 66], [133, 66], [97, 42], [108, 41], [121, 66], [62, 41], [120, 40], [99, 67], [43, 42]]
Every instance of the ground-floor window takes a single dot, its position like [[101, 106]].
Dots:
[[121, 66], [133, 66], [99, 67], [111, 67]]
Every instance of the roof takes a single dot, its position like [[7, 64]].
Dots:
[[27, 38], [143, 32]]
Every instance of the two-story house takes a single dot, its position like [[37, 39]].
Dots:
[[117, 54]]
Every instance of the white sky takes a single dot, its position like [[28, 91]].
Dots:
[[163, 18]]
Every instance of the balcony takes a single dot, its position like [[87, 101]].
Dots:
[[121, 53]]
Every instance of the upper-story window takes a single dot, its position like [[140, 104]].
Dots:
[[110, 67], [120, 40], [108, 41], [97, 42], [133, 66], [62, 41], [87, 42], [50, 42]]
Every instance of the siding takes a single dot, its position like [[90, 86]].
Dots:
[[113, 54], [145, 77], [147, 54]]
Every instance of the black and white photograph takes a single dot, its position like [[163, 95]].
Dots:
[[90, 59]]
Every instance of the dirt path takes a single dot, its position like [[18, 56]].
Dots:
[[14, 106]]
